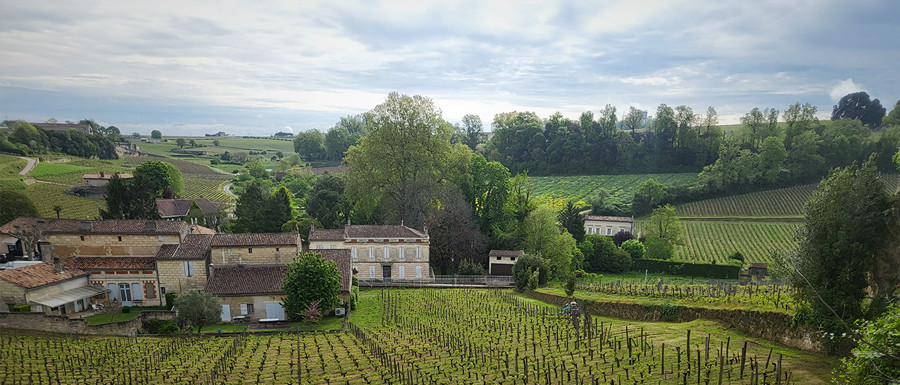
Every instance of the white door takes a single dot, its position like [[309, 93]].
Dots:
[[125, 294], [226, 313], [274, 310]]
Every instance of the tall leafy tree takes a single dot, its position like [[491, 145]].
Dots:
[[844, 227], [633, 120], [310, 145], [132, 198], [156, 134], [664, 224], [453, 234], [545, 238], [399, 166], [250, 210], [859, 106], [488, 193], [310, 278], [326, 202], [472, 124], [161, 176]]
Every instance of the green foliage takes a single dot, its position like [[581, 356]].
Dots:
[[156, 134], [488, 193], [687, 269], [258, 212], [545, 238], [737, 256], [570, 285], [399, 166], [161, 175], [160, 326], [467, 267], [197, 307], [664, 224], [634, 248], [844, 228], [648, 196], [528, 265], [126, 309], [572, 220], [874, 361], [170, 299], [326, 202], [26, 308], [658, 248], [14, 204], [310, 278], [454, 237], [858, 106], [132, 198], [669, 312]]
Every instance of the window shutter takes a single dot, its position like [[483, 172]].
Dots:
[[136, 291]]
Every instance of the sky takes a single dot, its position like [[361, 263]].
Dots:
[[259, 67]]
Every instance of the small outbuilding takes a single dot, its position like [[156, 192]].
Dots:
[[500, 262]]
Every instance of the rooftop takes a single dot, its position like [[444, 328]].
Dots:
[[174, 208], [39, 275], [506, 253], [244, 280], [111, 263], [256, 239], [108, 226], [192, 247], [383, 231], [608, 218]]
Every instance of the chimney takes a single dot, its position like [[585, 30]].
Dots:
[[150, 226], [86, 225], [46, 250], [57, 265]]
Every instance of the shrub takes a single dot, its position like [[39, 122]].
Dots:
[[312, 313], [658, 248], [570, 285], [467, 267], [170, 299], [533, 280], [524, 268], [617, 262], [634, 248], [689, 269], [874, 363], [621, 237], [737, 256], [21, 308], [159, 326], [126, 309]]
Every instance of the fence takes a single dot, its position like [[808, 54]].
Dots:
[[442, 281]]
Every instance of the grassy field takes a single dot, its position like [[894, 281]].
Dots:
[[557, 190], [10, 166]]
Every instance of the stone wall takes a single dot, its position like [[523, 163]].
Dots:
[[172, 276], [66, 245], [64, 325], [772, 326], [253, 255]]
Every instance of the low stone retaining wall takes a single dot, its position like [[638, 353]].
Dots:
[[772, 326], [64, 325]]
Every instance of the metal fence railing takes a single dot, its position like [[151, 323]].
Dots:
[[441, 280]]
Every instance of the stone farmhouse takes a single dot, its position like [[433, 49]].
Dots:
[[386, 253], [48, 288], [607, 225]]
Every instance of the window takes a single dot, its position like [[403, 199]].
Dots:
[[402, 272], [609, 231], [418, 271], [353, 252], [276, 249], [228, 251], [498, 258], [162, 291], [319, 247], [120, 238], [249, 250], [418, 252], [188, 268], [125, 292], [113, 290], [387, 252], [371, 252], [401, 252], [512, 258], [333, 246], [246, 308], [82, 237], [371, 271], [159, 238], [136, 291]]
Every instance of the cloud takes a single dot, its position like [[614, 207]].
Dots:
[[844, 87]]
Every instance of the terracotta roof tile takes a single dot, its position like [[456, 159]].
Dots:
[[111, 263], [341, 258], [41, 274], [171, 208], [383, 231], [166, 251], [326, 235], [108, 226], [244, 280], [608, 218], [193, 247], [506, 253], [255, 239]]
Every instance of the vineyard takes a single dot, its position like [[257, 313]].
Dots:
[[424, 337], [708, 241], [557, 190], [199, 181]]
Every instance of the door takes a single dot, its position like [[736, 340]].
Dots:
[[226, 313], [274, 310], [386, 272], [125, 294]]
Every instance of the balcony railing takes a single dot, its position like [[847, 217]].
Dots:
[[441, 280]]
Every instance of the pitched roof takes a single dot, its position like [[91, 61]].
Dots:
[[197, 229], [341, 258], [244, 280], [192, 247], [106, 226], [111, 263], [383, 231], [506, 253], [255, 239], [326, 234], [41, 274], [608, 218], [172, 208]]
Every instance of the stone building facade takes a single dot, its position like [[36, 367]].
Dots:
[[379, 252]]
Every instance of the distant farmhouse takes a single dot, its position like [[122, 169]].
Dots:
[[95, 185], [607, 225]]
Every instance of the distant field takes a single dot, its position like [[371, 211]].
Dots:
[[10, 166], [706, 241], [556, 190], [199, 180], [46, 195]]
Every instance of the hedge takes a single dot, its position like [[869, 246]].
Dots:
[[688, 269]]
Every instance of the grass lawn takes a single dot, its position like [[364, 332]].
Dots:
[[99, 319], [327, 323]]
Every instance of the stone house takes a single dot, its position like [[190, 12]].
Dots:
[[131, 280], [379, 252], [254, 248], [182, 267], [49, 288], [607, 225], [253, 292], [500, 262], [102, 179], [200, 211]]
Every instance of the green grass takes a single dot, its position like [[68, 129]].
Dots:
[[10, 166], [556, 190], [99, 319], [46, 169]]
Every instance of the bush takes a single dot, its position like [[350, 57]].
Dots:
[[570, 285], [621, 237], [634, 248], [21, 308], [170, 299], [524, 268], [688, 269], [617, 262], [126, 309], [658, 248], [737, 256], [467, 267], [873, 364], [160, 326]]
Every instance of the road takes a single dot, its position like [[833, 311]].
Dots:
[[227, 189], [29, 166]]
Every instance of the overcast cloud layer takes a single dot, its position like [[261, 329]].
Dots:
[[254, 68]]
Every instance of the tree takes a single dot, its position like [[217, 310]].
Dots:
[[772, 155], [326, 202], [799, 119], [634, 248], [57, 209], [528, 265], [161, 175], [487, 193], [399, 166], [649, 195], [14, 204], [874, 360], [155, 134], [216, 142], [844, 229], [310, 278], [658, 248], [602, 255], [130, 198], [634, 119], [545, 238], [664, 224], [757, 125], [196, 308], [180, 142], [193, 143], [310, 145], [472, 125], [858, 106], [259, 212], [893, 117], [572, 220], [453, 234]]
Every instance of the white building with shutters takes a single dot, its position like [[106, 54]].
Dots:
[[379, 252]]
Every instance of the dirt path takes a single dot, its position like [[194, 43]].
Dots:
[[227, 189], [28, 167]]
